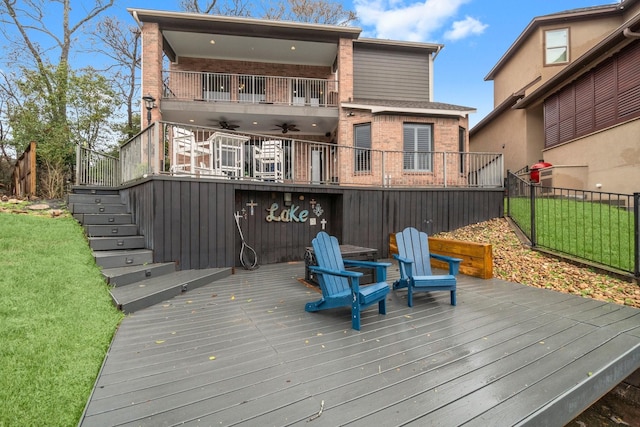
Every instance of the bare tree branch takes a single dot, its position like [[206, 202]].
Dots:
[[121, 44]]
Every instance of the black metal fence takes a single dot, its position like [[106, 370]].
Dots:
[[599, 227]]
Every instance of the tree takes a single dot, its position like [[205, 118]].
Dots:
[[91, 103], [121, 43], [42, 77], [225, 7], [311, 11]]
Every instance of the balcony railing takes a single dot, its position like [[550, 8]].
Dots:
[[209, 153], [247, 88]]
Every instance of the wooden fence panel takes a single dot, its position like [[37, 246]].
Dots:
[[24, 173]]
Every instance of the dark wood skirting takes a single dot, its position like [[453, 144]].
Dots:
[[191, 222]]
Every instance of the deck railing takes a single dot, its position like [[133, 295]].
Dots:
[[595, 226], [210, 153], [249, 88], [96, 168]]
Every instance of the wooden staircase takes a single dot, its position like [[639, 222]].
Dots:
[[127, 265]]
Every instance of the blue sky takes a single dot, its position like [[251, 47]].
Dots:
[[476, 33]]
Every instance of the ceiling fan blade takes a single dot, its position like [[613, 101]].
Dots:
[[227, 126]]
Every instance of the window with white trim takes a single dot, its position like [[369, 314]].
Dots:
[[362, 143], [418, 147], [556, 45]]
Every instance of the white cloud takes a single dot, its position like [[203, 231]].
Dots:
[[408, 20], [462, 29]]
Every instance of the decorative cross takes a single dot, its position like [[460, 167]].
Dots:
[[252, 204], [323, 222]]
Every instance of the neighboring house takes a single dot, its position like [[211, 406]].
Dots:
[[567, 91], [320, 81]]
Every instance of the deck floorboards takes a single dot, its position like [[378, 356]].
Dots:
[[242, 350]]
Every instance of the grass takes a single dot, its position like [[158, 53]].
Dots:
[[56, 320], [593, 231]]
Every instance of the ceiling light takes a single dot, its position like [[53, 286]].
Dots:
[[212, 41], [293, 48], [314, 125], [191, 120], [255, 123]]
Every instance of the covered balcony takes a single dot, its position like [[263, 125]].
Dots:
[[248, 102]]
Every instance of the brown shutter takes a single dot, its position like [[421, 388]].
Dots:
[[551, 121], [605, 95], [629, 82], [566, 113], [584, 105]]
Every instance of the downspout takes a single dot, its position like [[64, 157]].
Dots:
[[630, 34], [437, 51], [431, 59], [135, 16]]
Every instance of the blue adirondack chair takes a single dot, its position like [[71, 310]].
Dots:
[[342, 288], [414, 260]]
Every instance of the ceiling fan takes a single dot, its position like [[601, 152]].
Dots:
[[286, 127], [227, 126]]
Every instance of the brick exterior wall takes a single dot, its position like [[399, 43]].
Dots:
[[386, 129], [387, 135], [151, 69], [208, 65]]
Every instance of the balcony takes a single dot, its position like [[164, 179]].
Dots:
[[250, 89], [208, 153]]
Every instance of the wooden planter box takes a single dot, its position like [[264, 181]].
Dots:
[[477, 258]]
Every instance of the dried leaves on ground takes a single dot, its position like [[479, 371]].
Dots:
[[515, 262]]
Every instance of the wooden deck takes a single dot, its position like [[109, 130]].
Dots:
[[242, 350]]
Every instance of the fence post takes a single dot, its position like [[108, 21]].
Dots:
[[444, 167], [636, 235], [532, 198], [509, 193]]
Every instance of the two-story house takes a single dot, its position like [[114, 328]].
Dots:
[[567, 91], [312, 82]]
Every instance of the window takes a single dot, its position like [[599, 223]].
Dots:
[[556, 44], [251, 88], [418, 147], [362, 142], [216, 86], [299, 88]]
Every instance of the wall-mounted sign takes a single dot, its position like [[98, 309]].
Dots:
[[290, 214]]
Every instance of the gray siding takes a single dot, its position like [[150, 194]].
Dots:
[[385, 74], [191, 222]]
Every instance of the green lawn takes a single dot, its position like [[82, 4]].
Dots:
[[593, 231], [56, 320]]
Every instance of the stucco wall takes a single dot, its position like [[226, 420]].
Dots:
[[528, 63], [506, 134], [612, 157]]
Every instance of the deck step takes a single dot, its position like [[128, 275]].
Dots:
[[117, 242], [123, 258], [94, 199], [82, 208], [122, 276], [103, 219], [111, 230], [84, 189], [152, 291]]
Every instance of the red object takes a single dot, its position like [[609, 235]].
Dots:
[[534, 173]]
